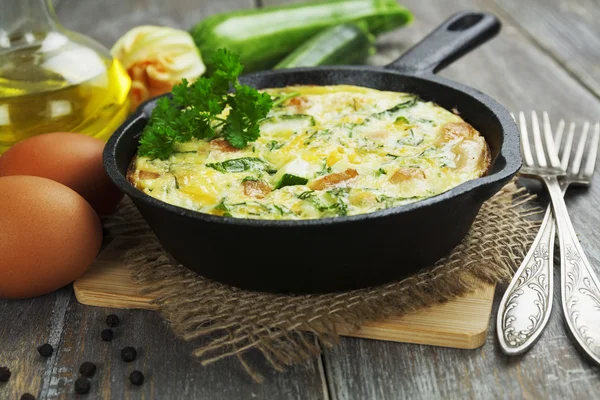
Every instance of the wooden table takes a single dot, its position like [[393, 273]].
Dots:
[[546, 58]]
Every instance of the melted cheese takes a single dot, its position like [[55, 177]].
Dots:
[[326, 151]]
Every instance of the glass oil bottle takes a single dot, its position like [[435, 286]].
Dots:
[[55, 80]]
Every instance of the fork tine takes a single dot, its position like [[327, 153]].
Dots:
[[537, 140], [560, 130], [550, 148], [566, 149], [590, 163], [580, 148], [525, 147]]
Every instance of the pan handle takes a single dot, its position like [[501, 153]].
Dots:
[[455, 37]]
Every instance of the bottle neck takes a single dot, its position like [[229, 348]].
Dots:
[[22, 21]]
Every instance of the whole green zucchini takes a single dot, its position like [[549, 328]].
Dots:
[[349, 43], [264, 36]]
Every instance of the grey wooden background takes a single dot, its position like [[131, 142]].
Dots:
[[546, 58]]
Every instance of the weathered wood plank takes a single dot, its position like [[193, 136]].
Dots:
[[74, 331], [24, 325], [363, 369], [169, 369], [568, 30], [117, 17]]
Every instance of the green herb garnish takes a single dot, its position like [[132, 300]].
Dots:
[[274, 145], [305, 195], [277, 101], [339, 207], [401, 121], [393, 201], [407, 104], [282, 209], [411, 140], [324, 169], [241, 165], [290, 180], [426, 121], [194, 110], [221, 206], [334, 204]]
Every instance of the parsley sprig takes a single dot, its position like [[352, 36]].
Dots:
[[196, 110]]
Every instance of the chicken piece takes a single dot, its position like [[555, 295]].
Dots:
[[147, 175], [136, 176], [222, 145], [144, 179], [472, 152], [299, 103], [256, 189], [406, 174], [456, 130], [333, 179], [472, 155]]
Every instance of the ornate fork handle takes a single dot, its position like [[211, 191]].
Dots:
[[526, 304], [580, 286]]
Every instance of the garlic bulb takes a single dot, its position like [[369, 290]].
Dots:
[[156, 58]]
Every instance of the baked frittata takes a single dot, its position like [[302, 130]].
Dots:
[[323, 151]]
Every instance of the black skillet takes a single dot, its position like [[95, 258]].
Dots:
[[341, 253]]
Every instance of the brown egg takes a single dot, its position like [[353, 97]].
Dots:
[[72, 159], [49, 236]]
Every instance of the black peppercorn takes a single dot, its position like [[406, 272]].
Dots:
[[112, 320], [87, 369], [45, 350], [137, 378], [128, 354], [107, 335], [4, 374], [82, 386], [28, 396]]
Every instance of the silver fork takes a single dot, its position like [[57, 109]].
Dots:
[[526, 305], [529, 297]]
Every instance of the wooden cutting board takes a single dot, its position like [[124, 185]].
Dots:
[[460, 323]]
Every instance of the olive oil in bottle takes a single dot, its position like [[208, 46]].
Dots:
[[54, 80]]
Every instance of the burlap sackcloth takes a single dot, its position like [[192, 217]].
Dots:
[[232, 321]]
